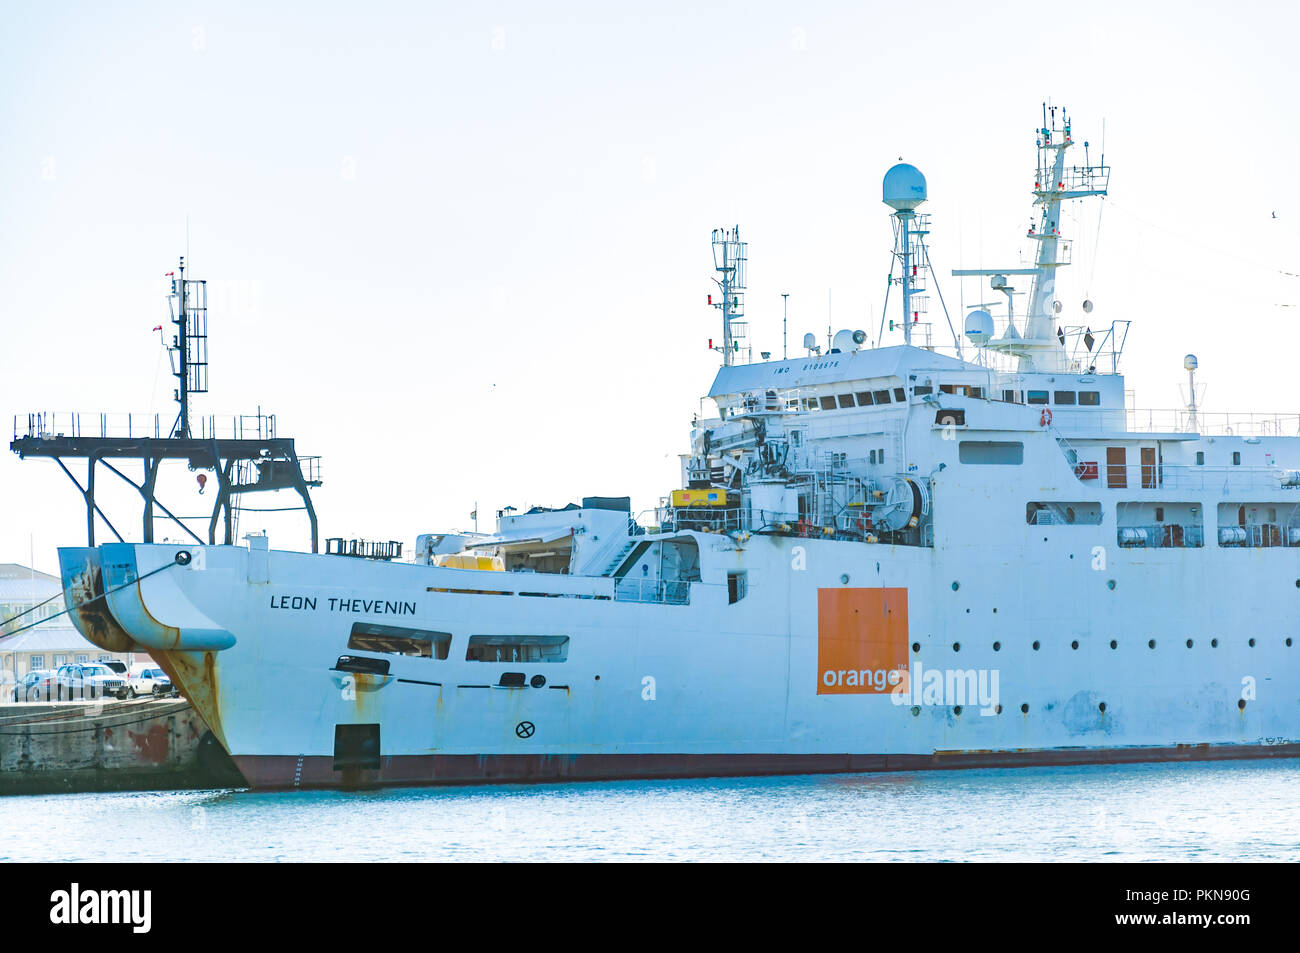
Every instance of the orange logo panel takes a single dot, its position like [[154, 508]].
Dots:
[[861, 639]]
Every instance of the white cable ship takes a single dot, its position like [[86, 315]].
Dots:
[[880, 559]]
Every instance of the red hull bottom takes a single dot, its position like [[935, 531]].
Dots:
[[318, 771]]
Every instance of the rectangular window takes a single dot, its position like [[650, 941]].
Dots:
[[1063, 397], [920, 390], [38, 661], [394, 640], [60, 660], [1160, 514], [1090, 398], [517, 648], [864, 398], [1051, 513], [82, 659], [899, 395], [1009, 396], [950, 418], [873, 456], [975, 392], [880, 455], [1037, 397], [828, 403], [881, 396], [1200, 458], [846, 400], [991, 452], [1236, 458]]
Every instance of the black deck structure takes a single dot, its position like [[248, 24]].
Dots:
[[244, 452]]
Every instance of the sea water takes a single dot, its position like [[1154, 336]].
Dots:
[[1222, 811]]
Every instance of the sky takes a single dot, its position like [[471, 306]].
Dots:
[[462, 251]]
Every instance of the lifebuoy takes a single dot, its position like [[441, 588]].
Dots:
[[1045, 417]]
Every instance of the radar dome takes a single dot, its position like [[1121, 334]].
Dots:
[[979, 327], [904, 187], [1189, 362]]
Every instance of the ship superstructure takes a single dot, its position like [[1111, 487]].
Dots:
[[878, 558]]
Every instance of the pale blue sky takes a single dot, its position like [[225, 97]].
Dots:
[[462, 252]]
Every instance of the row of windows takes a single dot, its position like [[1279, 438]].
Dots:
[[422, 643], [1084, 398], [862, 398]]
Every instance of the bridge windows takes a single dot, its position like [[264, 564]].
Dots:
[[1090, 398], [864, 398], [846, 400], [881, 396], [900, 395], [1036, 397], [828, 403], [1063, 397]]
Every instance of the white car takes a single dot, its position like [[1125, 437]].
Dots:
[[87, 680], [149, 680]]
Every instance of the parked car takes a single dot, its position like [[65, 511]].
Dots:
[[149, 680], [37, 685], [88, 680], [116, 665]]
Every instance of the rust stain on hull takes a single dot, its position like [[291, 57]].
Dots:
[[195, 674], [90, 612]]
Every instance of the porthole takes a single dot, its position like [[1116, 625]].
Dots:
[[1024, 709], [1251, 643], [956, 709], [1110, 584], [1241, 704], [956, 646], [916, 710], [1035, 646], [1102, 708], [997, 646], [1114, 644], [916, 647], [1189, 643], [1151, 643], [956, 585], [999, 709], [1075, 645], [1214, 643]]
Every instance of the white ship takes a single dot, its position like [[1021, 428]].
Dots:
[[880, 558]]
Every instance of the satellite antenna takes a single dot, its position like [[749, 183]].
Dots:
[[810, 342]]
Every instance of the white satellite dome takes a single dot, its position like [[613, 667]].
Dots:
[[1189, 362], [904, 187], [979, 327]]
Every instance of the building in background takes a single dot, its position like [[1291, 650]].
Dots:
[[51, 643]]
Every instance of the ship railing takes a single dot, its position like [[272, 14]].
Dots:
[[48, 425], [1213, 424], [1163, 476], [664, 591]]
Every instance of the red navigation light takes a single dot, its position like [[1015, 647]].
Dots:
[[710, 344], [710, 299]]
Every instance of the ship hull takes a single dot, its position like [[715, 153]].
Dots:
[[1055, 663]]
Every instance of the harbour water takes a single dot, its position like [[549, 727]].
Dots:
[[1208, 811]]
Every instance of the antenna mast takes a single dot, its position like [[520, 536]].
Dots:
[[188, 352], [904, 191], [1040, 348], [729, 258]]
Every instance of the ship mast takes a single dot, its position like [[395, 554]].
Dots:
[[729, 258], [1040, 348]]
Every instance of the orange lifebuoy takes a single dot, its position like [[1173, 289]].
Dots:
[[1045, 417]]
